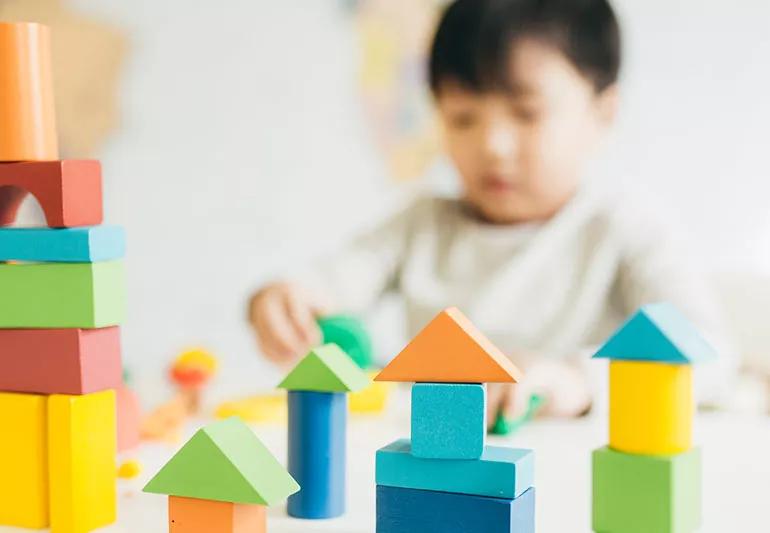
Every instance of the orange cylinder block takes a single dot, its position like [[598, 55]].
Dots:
[[27, 116]]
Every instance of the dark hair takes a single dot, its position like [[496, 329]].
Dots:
[[474, 39]]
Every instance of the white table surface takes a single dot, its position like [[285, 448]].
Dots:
[[736, 474]]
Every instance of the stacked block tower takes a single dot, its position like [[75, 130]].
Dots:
[[649, 477], [222, 481], [446, 478], [318, 410], [62, 299]]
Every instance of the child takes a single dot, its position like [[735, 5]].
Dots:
[[539, 260]]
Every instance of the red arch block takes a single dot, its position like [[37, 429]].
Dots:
[[69, 191]]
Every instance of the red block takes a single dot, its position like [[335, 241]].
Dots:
[[69, 191], [60, 361]]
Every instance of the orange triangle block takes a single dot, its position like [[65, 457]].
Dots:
[[450, 350]]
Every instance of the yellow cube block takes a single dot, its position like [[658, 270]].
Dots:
[[23, 460], [651, 407], [82, 450]]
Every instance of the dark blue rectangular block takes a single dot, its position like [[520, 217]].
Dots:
[[317, 429], [421, 511]]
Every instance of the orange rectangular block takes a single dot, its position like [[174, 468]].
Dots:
[[60, 361], [27, 115], [69, 191], [191, 515]]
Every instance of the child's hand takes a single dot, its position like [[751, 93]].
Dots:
[[284, 319], [508, 398], [565, 391]]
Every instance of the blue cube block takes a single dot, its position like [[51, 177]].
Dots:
[[421, 511], [500, 472], [87, 244], [448, 420]]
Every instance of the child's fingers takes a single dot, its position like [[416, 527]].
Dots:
[[278, 333], [302, 319]]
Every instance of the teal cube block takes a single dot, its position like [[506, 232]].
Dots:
[[646, 493], [500, 472], [448, 420]]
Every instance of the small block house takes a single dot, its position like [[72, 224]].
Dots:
[[221, 480], [651, 391]]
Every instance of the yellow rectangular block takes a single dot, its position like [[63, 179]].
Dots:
[[23, 460], [651, 407], [81, 451]]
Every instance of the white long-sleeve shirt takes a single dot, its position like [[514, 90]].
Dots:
[[547, 289]]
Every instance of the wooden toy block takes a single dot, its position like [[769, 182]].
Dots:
[[191, 515], [225, 461], [317, 435], [69, 191], [326, 369], [63, 361], [348, 333], [500, 472], [62, 295], [129, 418], [65, 245], [642, 494], [27, 112], [450, 350], [448, 420], [657, 332], [23, 460], [81, 457], [651, 407], [402, 510]]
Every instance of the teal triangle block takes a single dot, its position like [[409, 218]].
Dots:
[[657, 333], [225, 461], [326, 369]]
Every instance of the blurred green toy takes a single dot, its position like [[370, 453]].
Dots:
[[505, 426], [348, 333]]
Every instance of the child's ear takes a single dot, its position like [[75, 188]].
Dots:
[[607, 103]]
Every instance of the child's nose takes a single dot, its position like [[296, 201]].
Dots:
[[501, 141]]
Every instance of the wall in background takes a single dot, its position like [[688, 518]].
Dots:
[[243, 150]]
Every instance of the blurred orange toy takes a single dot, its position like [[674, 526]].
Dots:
[[191, 372]]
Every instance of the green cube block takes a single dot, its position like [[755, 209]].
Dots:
[[62, 295], [645, 493]]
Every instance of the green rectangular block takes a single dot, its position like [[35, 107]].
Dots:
[[62, 295], [646, 493]]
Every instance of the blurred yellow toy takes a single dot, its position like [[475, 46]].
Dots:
[[255, 409]]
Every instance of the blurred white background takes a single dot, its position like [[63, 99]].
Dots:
[[244, 149]]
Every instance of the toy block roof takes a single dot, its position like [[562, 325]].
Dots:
[[450, 350], [326, 369], [657, 333], [225, 461]]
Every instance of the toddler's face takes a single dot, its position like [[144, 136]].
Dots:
[[521, 152]]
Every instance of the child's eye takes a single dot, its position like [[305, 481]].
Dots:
[[526, 114], [462, 120]]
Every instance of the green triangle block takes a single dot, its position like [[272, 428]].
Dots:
[[225, 461], [326, 369]]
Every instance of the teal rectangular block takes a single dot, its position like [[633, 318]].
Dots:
[[646, 493], [448, 420], [66, 245], [500, 472]]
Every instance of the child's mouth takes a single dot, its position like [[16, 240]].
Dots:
[[497, 184]]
